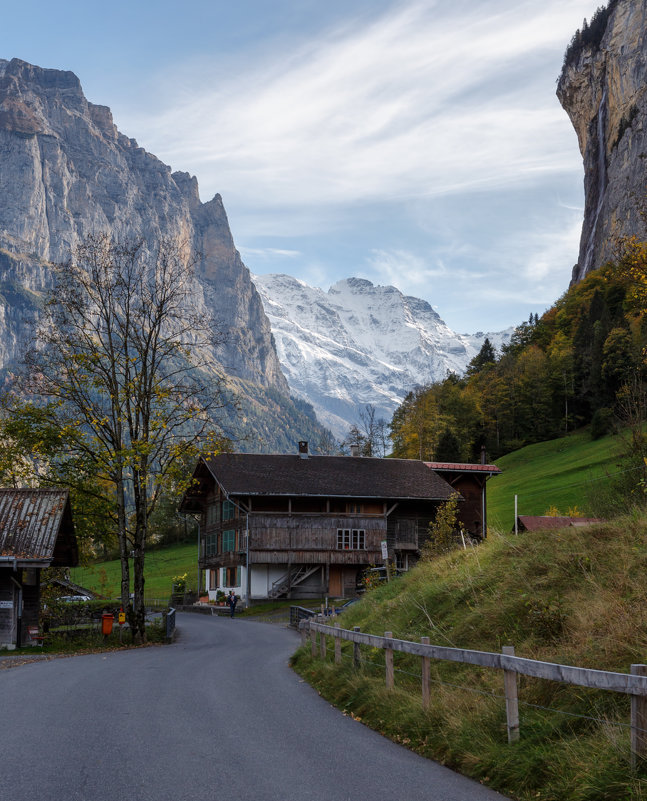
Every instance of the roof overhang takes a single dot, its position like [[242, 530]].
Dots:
[[22, 562], [467, 468]]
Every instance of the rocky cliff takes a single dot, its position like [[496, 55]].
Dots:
[[603, 88], [65, 172]]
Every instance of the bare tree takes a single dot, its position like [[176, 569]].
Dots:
[[119, 351], [375, 431]]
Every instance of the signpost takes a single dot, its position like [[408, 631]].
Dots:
[[385, 557]]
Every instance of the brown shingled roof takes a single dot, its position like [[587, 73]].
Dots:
[[330, 476]]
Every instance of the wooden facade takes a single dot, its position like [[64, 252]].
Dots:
[[36, 531], [308, 526]]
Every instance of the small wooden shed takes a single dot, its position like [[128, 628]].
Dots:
[[36, 531], [549, 522]]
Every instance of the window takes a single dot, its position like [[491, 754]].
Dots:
[[228, 510], [213, 579], [231, 576], [211, 545], [351, 539], [354, 508], [229, 540], [213, 513]]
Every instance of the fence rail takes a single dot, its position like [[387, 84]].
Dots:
[[633, 684]]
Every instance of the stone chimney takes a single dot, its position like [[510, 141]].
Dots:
[[354, 450], [303, 449]]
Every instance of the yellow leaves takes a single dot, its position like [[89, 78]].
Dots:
[[632, 268]]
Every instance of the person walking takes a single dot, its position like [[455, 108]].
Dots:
[[231, 600]]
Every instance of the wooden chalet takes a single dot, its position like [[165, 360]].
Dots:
[[36, 531], [306, 526]]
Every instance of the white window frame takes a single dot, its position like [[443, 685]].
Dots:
[[351, 539]]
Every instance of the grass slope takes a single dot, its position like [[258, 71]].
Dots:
[[562, 473], [574, 597], [161, 565]]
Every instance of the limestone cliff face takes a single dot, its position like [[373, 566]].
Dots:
[[65, 172], [603, 88]]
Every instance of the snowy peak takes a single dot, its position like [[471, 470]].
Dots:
[[359, 343]]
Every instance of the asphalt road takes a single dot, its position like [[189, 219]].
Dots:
[[217, 715]]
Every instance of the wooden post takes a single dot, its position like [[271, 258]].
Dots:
[[388, 661], [638, 721], [337, 647], [356, 650], [322, 645], [304, 632], [511, 698], [313, 642], [426, 670]]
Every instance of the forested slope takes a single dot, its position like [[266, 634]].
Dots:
[[582, 362]]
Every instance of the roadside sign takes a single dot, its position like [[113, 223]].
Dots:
[[385, 550], [6, 604], [122, 618]]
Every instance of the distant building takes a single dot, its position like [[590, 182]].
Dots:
[[546, 522], [280, 526], [36, 531]]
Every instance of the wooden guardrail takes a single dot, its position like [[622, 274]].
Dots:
[[633, 684]]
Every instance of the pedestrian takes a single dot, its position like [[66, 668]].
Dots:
[[231, 600]]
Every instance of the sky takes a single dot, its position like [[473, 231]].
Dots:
[[417, 143]]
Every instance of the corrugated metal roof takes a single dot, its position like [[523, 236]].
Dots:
[[30, 521], [327, 476]]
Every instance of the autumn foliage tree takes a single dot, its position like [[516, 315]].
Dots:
[[119, 362], [577, 364]]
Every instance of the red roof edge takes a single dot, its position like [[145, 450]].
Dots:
[[461, 467]]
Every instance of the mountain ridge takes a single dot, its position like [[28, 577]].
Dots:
[[66, 171], [359, 344]]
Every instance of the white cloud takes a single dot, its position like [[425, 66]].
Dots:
[[268, 253], [420, 132], [426, 99]]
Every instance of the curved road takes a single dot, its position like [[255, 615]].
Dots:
[[216, 715]]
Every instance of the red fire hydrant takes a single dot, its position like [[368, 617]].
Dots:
[[106, 623]]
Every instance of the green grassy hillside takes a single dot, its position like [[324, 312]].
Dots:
[[561, 473], [161, 566], [575, 597]]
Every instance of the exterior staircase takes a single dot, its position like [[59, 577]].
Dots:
[[291, 579]]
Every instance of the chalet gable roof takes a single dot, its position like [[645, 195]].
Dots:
[[36, 526], [327, 476]]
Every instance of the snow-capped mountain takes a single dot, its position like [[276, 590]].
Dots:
[[359, 344]]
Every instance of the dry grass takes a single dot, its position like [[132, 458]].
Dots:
[[577, 596]]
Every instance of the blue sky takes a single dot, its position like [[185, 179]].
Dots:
[[414, 143]]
